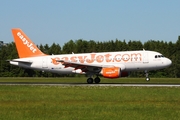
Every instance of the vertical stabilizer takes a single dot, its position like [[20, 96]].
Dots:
[[24, 46]]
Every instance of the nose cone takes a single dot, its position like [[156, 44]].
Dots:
[[168, 62]]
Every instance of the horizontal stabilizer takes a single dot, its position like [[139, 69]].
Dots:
[[21, 61]]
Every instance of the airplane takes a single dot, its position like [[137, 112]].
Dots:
[[106, 64]]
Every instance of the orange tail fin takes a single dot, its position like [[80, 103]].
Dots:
[[24, 46]]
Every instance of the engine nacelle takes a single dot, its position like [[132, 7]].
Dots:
[[113, 72]]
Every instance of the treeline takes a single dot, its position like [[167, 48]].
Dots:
[[168, 49]]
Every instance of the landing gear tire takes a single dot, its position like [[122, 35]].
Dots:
[[97, 80], [89, 80], [147, 76], [147, 79]]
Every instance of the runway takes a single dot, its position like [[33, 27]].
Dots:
[[85, 84]]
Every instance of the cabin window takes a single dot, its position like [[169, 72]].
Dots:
[[159, 56]]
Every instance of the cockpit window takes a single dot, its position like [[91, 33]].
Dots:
[[159, 56]]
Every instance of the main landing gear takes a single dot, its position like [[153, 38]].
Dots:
[[96, 80], [147, 76]]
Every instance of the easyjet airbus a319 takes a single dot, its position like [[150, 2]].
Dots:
[[107, 64]]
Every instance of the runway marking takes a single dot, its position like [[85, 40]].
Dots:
[[85, 84]]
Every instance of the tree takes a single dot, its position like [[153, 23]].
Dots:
[[54, 49], [69, 47], [135, 45]]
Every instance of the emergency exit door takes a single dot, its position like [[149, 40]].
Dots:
[[44, 63]]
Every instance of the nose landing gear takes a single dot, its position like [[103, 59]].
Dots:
[[147, 76], [147, 79]]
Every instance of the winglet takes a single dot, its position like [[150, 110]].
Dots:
[[24, 46]]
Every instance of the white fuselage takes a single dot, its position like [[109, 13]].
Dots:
[[127, 61]]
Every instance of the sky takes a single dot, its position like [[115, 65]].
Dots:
[[58, 21]]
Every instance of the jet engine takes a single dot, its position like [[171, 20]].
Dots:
[[113, 72]]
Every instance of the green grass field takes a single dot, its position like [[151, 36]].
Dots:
[[23, 102]]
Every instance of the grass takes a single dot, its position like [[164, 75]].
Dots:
[[88, 102]]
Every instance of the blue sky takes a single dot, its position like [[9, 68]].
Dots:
[[58, 21]]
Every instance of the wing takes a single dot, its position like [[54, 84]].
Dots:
[[85, 67]]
